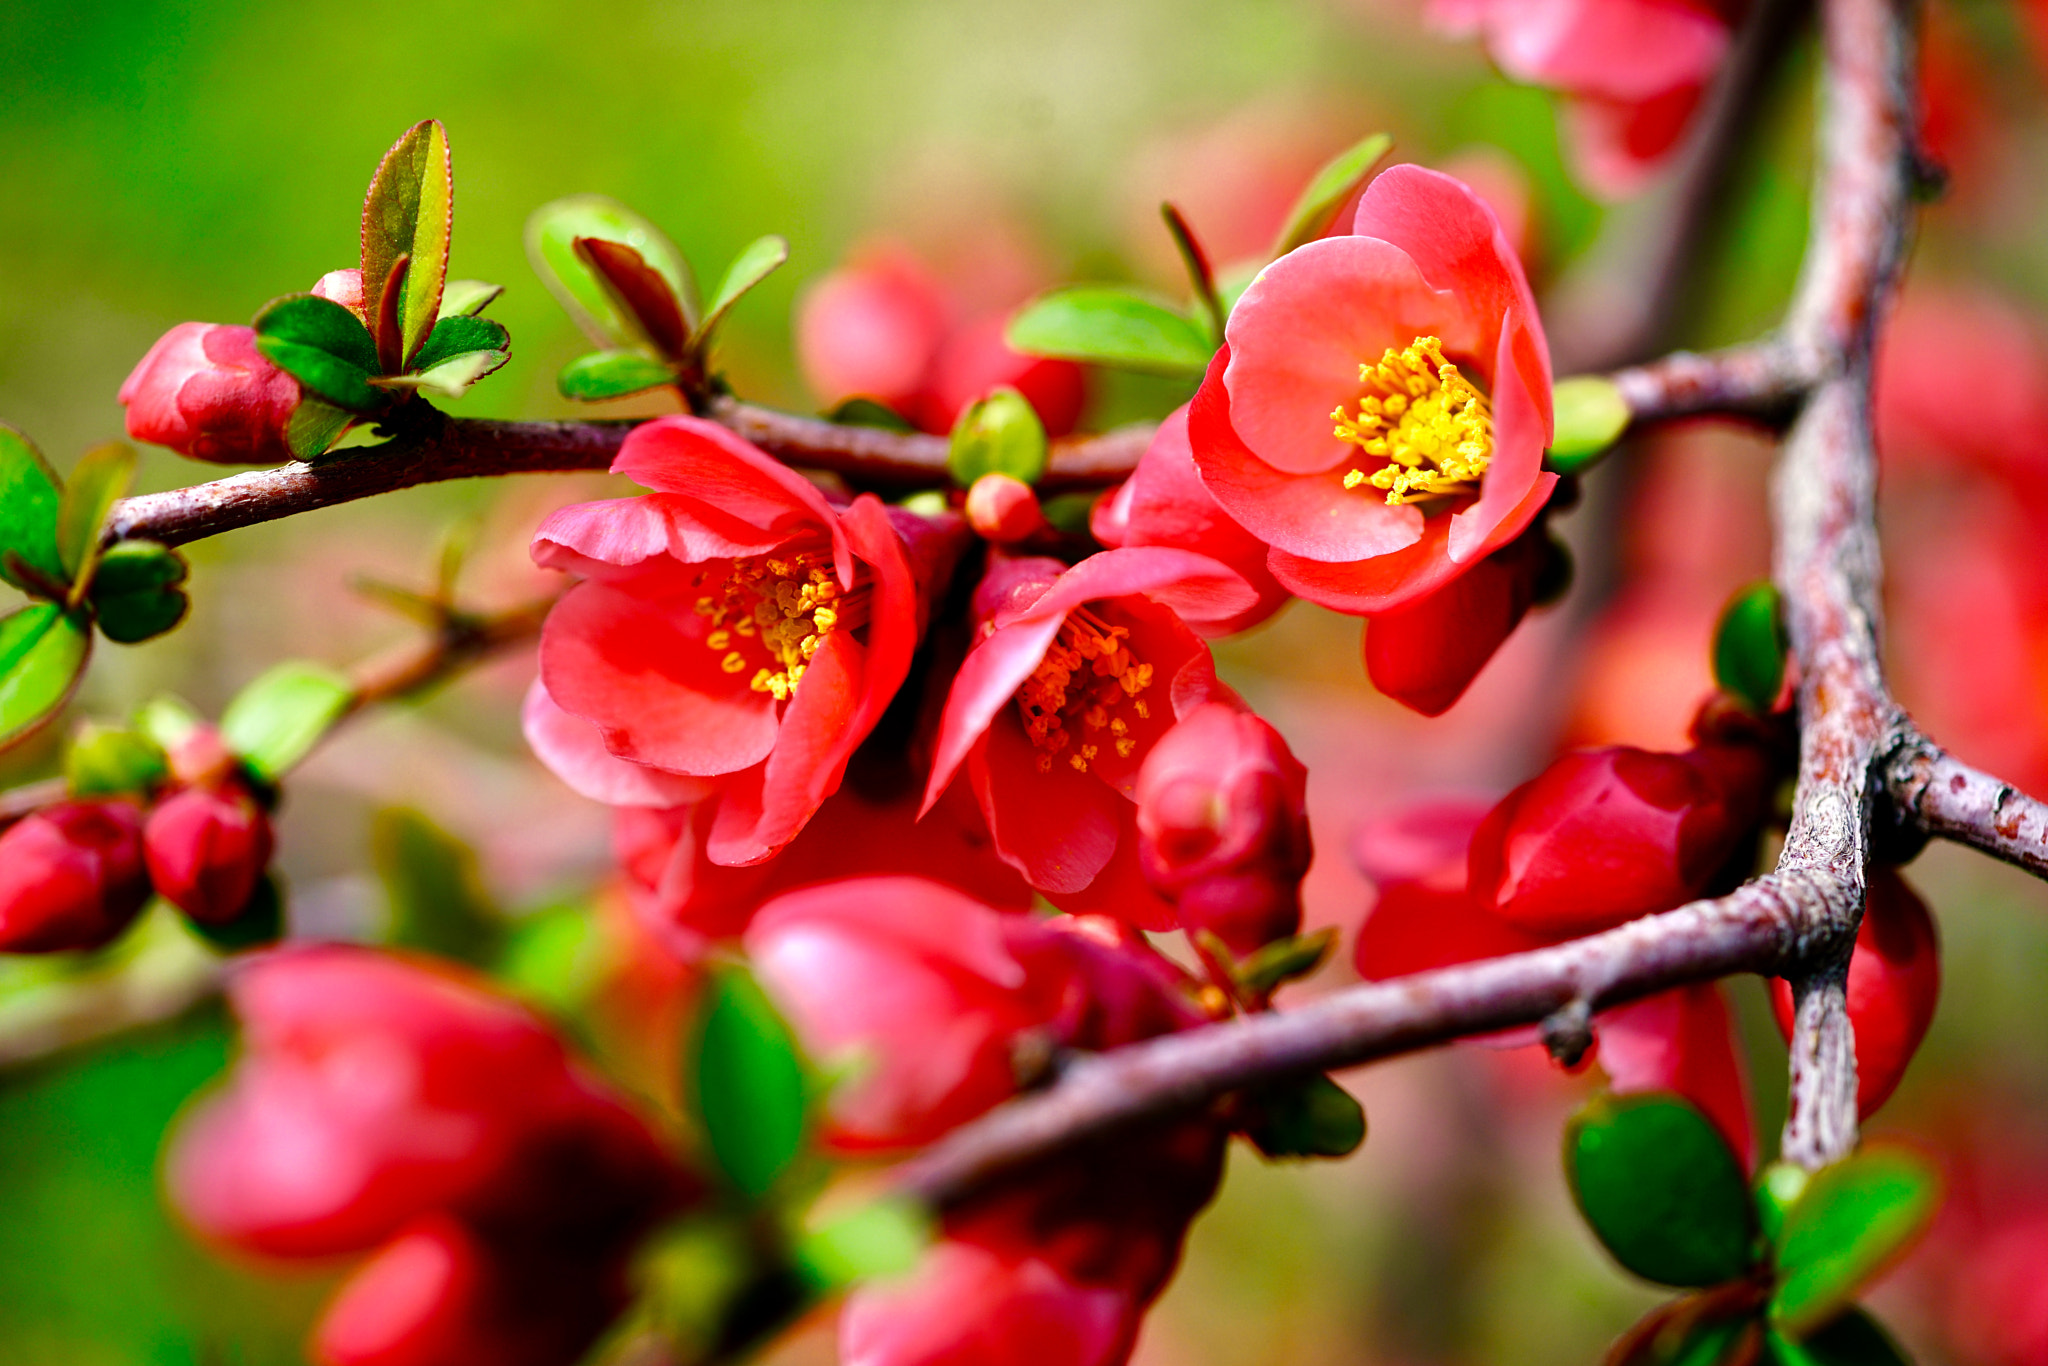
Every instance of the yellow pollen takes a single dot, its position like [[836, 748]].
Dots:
[[772, 613], [1087, 674], [1424, 419]]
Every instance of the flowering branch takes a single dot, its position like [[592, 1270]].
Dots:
[[1862, 765]]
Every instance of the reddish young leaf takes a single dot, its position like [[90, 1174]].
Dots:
[[639, 289]]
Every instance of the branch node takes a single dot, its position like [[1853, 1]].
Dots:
[[1567, 1032]]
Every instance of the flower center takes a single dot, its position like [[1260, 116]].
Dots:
[[1422, 417], [1073, 697], [772, 612]]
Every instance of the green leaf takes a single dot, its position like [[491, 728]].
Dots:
[[138, 567], [551, 234], [1340, 178], [882, 1238], [757, 260], [29, 495], [1284, 960], [275, 721], [1853, 1221], [324, 346], [311, 430], [612, 374], [866, 412], [1314, 1117], [167, 720], [1699, 1330], [1661, 1189], [410, 211], [556, 959], [97, 482], [749, 1089], [467, 298], [1591, 416], [1778, 1188], [997, 434], [437, 897], [110, 761], [453, 337], [1069, 512], [43, 651], [1750, 646], [1852, 1339], [1105, 325], [259, 923]]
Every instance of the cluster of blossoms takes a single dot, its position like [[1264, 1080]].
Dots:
[[74, 875]]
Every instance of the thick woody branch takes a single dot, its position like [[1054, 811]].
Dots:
[[1940, 795]]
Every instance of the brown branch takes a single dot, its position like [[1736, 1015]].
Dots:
[[1940, 795], [459, 639]]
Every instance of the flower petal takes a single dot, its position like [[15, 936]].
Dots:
[[1058, 828], [573, 750]]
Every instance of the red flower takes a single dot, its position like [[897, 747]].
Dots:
[[1077, 673], [380, 1101], [1223, 826], [1165, 503], [1894, 979], [71, 877], [1379, 411], [936, 991], [207, 848], [1425, 653], [883, 327], [736, 636], [1635, 68], [204, 391]]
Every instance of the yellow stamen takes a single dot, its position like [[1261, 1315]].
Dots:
[[1087, 674], [1424, 419], [774, 612]]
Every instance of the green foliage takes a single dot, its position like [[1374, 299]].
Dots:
[[881, 1238], [110, 761], [1851, 1222], [1750, 647], [43, 650], [460, 351], [410, 212], [997, 434], [757, 260], [1313, 1117], [313, 426], [1109, 325], [1851, 1339], [1591, 415], [136, 592], [551, 233], [613, 374], [97, 482], [437, 898], [1315, 209], [865, 412], [29, 494], [324, 347], [275, 721], [467, 298], [1285, 960], [750, 1091], [1661, 1189]]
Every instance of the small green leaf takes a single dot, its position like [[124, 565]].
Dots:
[[259, 923], [1284, 960], [1750, 646], [167, 720], [1853, 1221], [1311, 1118], [758, 260], [323, 346], [866, 412], [551, 234], [467, 298], [275, 721], [314, 425], [998, 434], [1661, 1189], [110, 761], [43, 650], [436, 895], [1591, 416], [1106, 325], [131, 618], [1778, 1188], [329, 377], [462, 336], [1852, 1339], [138, 567], [410, 211], [1340, 178], [612, 374], [1698, 1330], [749, 1088], [557, 958], [880, 1239], [1069, 512], [449, 379], [97, 482], [29, 494]]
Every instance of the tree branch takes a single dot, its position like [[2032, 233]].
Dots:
[[1940, 795]]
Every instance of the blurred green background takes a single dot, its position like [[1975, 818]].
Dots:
[[165, 162]]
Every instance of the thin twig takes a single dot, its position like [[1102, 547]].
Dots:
[[1939, 794]]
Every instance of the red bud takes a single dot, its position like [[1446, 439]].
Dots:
[[1425, 654], [71, 877], [207, 849], [1003, 509], [204, 391]]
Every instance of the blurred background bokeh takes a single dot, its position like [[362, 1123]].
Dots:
[[172, 161]]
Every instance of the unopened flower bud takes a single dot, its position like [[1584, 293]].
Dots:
[[71, 877], [1223, 826], [205, 391], [1003, 509], [207, 848]]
